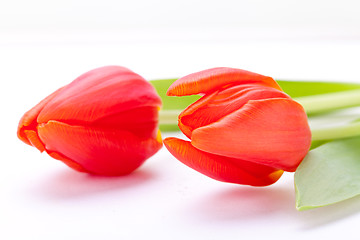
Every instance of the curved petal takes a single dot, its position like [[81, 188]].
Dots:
[[222, 168], [273, 132], [218, 104], [100, 93], [202, 102], [216, 78], [96, 150], [70, 163], [29, 119], [34, 139]]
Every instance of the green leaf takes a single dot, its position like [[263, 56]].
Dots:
[[317, 143], [322, 97], [305, 88], [328, 174]]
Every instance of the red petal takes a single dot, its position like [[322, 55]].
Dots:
[[222, 168], [100, 151], [273, 132], [187, 128], [141, 121], [67, 161], [28, 121], [98, 94], [218, 104], [34, 139], [216, 78]]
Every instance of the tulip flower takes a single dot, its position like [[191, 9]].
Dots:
[[244, 129], [104, 122]]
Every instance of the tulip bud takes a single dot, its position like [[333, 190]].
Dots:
[[104, 122], [244, 129]]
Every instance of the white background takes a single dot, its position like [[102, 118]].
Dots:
[[46, 44]]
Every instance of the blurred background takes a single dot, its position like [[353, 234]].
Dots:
[[182, 20], [46, 44], [281, 38]]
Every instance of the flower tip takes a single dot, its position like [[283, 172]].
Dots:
[[170, 92], [21, 135], [168, 141], [212, 79]]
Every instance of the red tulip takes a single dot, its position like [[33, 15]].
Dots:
[[104, 122], [244, 129]]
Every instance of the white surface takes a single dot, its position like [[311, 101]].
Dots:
[[44, 46]]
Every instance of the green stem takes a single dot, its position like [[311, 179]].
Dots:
[[331, 133], [321, 103], [330, 101], [168, 120], [169, 117]]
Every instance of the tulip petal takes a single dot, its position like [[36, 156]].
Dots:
[[273, 132], [29, 120], [222, 168], [34, 139], [218, 104], [70, 163], [188, 127], [216, 78], [98, 94], [140, 121], [96, 150]]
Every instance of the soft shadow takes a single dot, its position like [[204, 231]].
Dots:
[[71, 184], [318, 217], [249, 203], [244, 203]]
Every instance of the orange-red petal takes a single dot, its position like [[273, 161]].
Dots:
[[34, 140], [218, 104], [69, 162], [216, 78], [187, 128], [96, 150], [273, 132], [29, 119], [100, 93], [222, 168]]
